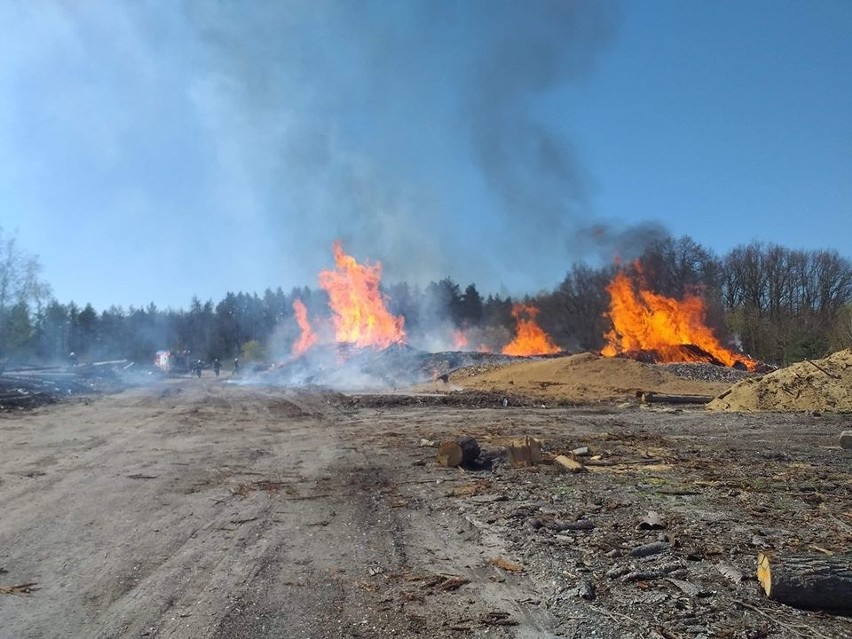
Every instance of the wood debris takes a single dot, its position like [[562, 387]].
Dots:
[[505, 564], [22, 590], [652, 521], [460, 452], [525, 452], [569, 465]]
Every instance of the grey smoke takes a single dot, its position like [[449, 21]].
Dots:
[[357, 120]]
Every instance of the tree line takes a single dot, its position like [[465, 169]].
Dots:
[[776, 304]]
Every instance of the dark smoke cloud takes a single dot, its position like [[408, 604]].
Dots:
[[418, 132]]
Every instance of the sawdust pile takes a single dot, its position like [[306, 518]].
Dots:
[[580, 379], [824, 385]]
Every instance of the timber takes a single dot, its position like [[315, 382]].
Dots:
[[807, 581], [460, 452], [660, 398]]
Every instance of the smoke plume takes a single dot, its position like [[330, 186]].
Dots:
[[364, 118]]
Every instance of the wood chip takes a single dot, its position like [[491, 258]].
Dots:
[[505, 564], [730, 572]]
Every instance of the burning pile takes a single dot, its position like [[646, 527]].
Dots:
[[360, 315], [361, 319], [652, 327], [531, 338]]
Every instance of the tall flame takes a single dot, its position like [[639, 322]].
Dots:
[[307, 338], [531, 338], [358, 305], [646, 321]]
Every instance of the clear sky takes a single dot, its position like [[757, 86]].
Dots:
[[155, 150]]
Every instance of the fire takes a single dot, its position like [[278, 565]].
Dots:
[[646, 321], [307, 338], [358, 306], [531, 338], [460, 341]]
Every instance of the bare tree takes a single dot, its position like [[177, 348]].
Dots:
[[21, 292], [785, 304], [19, 275]]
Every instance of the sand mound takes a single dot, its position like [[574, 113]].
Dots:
[[824, 385], [583, 378]]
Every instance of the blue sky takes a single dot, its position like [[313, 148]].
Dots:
[[152, 151]]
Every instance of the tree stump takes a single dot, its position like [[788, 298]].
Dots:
[[461, 452], [807, 581]]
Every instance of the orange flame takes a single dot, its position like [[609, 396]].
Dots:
[[360, 315], [531, 338], [646, 321], [307, 338], [460, 341]]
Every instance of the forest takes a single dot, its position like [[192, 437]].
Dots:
[[772, 303]]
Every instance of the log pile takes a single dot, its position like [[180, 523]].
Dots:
[[33, 387]]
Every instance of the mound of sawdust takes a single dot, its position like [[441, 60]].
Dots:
[[583, 378], [824, 385]]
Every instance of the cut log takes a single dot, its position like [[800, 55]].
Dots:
[[461, 452], [660, 398], [807, 581], [568, 464], [846, 439]]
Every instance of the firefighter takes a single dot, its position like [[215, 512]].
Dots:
[[236, 366], [198, 367], [216, 366]]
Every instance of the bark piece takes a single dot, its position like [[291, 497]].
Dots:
[[730, 572], [505, 564], [585, 590], [568, 464], [807, 581], [461, 452], [646, 550], [580, 524], [652, 521]]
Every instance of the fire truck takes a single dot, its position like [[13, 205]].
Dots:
[[174, 361]]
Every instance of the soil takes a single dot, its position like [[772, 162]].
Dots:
[[198, 508], [824, 385]]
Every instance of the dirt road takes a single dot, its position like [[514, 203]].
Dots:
[[196, 508]]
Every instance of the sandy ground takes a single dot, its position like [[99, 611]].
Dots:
[[196, 508]]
